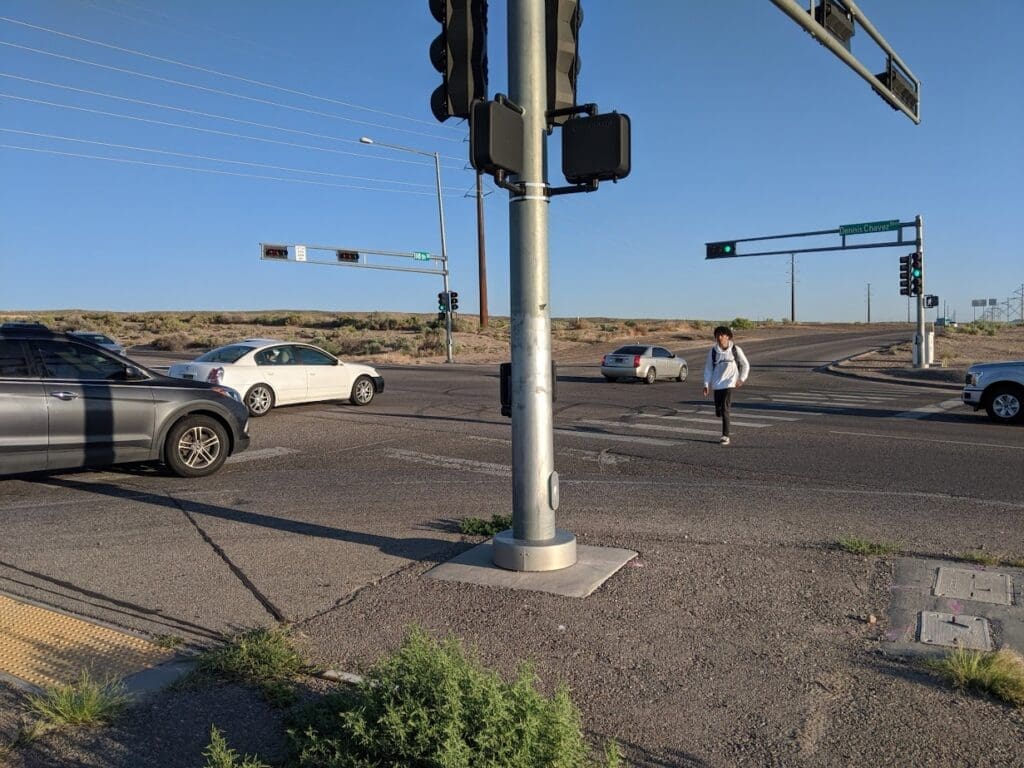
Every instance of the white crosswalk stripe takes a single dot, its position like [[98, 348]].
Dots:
[[701, 420]]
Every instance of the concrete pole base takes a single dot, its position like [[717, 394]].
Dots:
[[517, 555]]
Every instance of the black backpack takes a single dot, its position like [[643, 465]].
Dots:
[[718, 357]]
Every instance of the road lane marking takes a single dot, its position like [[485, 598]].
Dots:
[[770, 408], [928, 410], [617, 438], [747, 414], [700, 420], [450, 462], [261, 453], [837, 395], [659, 427], [928, 440]]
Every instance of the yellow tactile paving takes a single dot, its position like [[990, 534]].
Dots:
[[47, 648]]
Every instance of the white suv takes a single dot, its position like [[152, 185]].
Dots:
[[998, 388]]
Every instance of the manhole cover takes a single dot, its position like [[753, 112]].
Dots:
[[955, 631], [982, 586]]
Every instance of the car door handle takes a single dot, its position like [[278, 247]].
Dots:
[[65, 395]]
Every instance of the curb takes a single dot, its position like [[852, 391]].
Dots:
[[835, 370]]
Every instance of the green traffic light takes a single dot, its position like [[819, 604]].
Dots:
[[728, 249], [916, 273]]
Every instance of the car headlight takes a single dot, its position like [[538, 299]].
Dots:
[[973, 378]]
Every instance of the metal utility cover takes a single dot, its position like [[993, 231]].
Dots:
[[955, 631], [982, 586]]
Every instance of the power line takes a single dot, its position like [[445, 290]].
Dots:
[[199, 113], [197, 128], [221, 92], [452, 190], [211, 170], [228, 75]]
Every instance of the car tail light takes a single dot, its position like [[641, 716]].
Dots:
[[216, 376], [636, 361], [604, 359]]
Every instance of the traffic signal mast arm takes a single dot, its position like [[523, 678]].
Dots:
[[715, 249]]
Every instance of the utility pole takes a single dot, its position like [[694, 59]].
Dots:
[[919, 337], [481, 250], [869, 303], [533, 543], [792, 287]]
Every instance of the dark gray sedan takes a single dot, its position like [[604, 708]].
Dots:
[[641, 361], [67, 403]]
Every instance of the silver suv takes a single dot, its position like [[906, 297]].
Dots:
[[998, 388], [67, 403]]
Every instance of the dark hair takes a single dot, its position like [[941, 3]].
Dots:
[[723, 329]]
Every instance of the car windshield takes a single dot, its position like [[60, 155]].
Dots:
[[630, 351], [95, 338], [229, 354]]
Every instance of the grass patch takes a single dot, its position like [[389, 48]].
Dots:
[[1013, 562], [431, 704], [168, 641], [980, 557], [219, 755], [475, 526], [999, 673], [858, 546], [83, 702], [265, 658]]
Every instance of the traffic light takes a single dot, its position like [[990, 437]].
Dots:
[[721, 250], [459, 53], [275, 251], [916, 274], [442, 302], [453, 300], [563, 20], [347, 256], [905, 275]]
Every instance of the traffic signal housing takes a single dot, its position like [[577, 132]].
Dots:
[[905, 275], [453, 301], [916, 274], [459, 53], [563, 20], [275, 251], [442, 302], [721, 250], [349, 256]]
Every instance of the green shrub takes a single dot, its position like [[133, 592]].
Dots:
[[431, 705], [743, 324], [173, 342], [858, 546], [265, 658], [219, 755], [475, 526], [83, 702], [1000, 673]]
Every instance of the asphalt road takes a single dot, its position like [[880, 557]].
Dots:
[[735, 638]]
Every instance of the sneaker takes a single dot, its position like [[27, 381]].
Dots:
[[724, 440]]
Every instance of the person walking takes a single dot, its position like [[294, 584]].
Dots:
[[726, 368]]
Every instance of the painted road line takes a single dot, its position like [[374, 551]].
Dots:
[[929, 440], [747, 414], [262, 453], [810, 393], [616, 438], [450, 462], [660, 428], [747, 407], [929, 410], [702, 420]]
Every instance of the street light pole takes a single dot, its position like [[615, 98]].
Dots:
[[444, 242]]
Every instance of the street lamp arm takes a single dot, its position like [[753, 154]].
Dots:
[[368, 140]]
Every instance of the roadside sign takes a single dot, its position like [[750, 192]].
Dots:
[[993, 302], [869, 226], [300, 253], [978, 302], [421, 256]]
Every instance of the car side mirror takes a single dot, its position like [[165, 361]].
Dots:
[[132, 373]]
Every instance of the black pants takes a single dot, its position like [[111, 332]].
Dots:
[[723, 401]]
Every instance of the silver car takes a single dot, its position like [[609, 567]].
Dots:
[[65, 403], [638, 361], [100, 340]]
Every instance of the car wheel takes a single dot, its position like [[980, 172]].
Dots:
[[362, 391], [1004, 405], [259, 399], [683, 373], [196, 446], [607, 377], [651, 376]]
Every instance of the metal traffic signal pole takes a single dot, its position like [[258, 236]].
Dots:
[[921, 361], [533, 543]]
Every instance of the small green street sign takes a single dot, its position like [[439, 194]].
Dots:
[[869, 226], [421, 256]]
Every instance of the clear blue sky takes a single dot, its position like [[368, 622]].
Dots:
[[742, 126]]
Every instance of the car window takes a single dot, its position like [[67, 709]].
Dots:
[[631, 350], [661, 352], [310, 356], [283, 355], [229, 354], [12, 360], [64, 360], [95, 338]]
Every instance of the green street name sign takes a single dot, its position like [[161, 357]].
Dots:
[[421, 256], [869, 226]]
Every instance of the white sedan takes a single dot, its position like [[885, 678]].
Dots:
[[270, 372]]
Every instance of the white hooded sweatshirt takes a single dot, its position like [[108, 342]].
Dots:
[[724, 367]]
